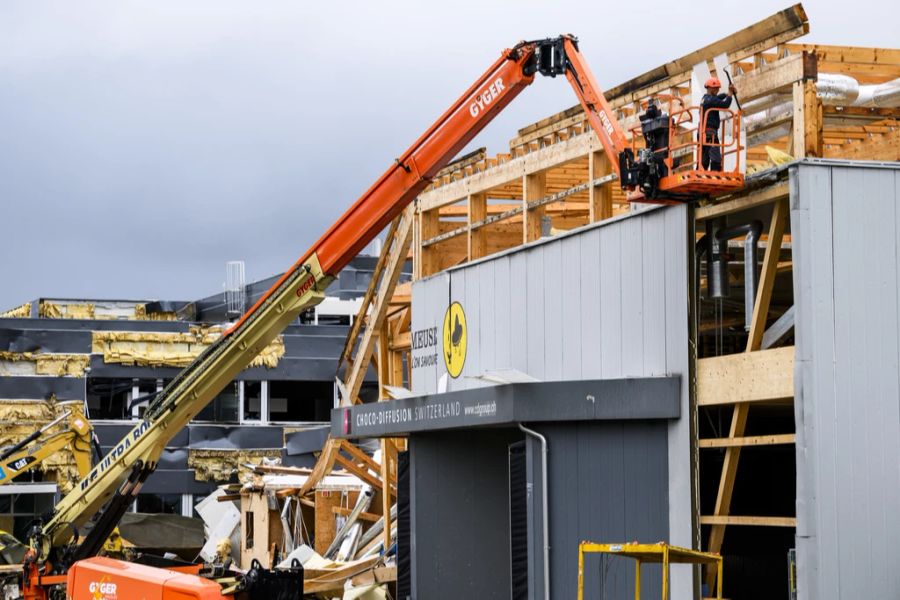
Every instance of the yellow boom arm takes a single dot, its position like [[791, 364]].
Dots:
[[23, 456]]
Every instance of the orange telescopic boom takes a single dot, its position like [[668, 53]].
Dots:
[[648, 173]]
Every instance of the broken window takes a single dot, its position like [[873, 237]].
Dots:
[[108, 398], [169, 504], [302, 401], [223, 408], [18, 511], [252, 400]]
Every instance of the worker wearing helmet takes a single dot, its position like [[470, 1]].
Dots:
[[711, 153], [113, 547]]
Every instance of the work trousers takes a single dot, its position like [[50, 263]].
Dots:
[[711, 155]]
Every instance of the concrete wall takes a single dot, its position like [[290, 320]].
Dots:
[[605, 301], [845, 223]]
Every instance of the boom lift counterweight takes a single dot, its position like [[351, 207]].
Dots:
[[303, 285]]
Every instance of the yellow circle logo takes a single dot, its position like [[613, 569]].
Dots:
[[455, 339]]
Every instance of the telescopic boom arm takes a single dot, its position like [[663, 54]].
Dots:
[[304, 284]]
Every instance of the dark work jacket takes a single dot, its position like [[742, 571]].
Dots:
[[713, 101]]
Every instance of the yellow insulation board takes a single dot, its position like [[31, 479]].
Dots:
[[170, 349], [56, 365], [21, 418], [219, 465], [19, 312], [141, 314], [51, 310]]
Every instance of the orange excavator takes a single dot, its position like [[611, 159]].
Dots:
[[62, 564]]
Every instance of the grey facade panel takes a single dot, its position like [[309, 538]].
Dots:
[[95, 325], [608, 300], [619, 498], [846, 225], [305, 441], [224, 437], [459, 517], [46, 340], [460, 507], [38, 387]]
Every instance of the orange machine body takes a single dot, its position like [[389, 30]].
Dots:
[[102, 578]]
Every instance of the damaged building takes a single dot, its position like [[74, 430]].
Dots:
[[115, 355]]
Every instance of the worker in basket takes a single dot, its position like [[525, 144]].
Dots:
[[711, 154]]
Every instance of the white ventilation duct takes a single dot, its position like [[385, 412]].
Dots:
[[836, 90], [882, 95]]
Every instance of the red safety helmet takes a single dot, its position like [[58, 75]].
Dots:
[[713, 82]]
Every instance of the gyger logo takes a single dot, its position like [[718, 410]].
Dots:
[[455, 339], [103, 589]]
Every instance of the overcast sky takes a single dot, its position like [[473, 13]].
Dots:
[[144, 144]]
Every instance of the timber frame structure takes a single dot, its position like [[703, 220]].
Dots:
[[556, 177]]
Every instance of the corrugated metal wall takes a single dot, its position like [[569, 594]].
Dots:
[[605, 301], [845, 223]]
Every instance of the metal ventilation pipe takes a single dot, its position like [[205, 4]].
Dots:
[[716, 261], [752, 230], [836, 90], [883, 95]]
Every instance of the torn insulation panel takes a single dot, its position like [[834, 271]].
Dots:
[[30, 363], [170, 349], [104, 310], [19, 312], [220, 465], [52, 310], [21, 418], [142, 314]]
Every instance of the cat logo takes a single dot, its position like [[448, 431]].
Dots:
[[455, 339]]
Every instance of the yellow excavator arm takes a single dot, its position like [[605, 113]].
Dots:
[[42, 444]]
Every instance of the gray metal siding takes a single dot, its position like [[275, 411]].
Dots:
[[620, 498], [459, 514], [846, 226], [605, 301]]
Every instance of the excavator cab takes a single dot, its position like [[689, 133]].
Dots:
[[668, 147]]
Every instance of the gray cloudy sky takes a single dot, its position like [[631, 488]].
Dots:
[[144, 144]]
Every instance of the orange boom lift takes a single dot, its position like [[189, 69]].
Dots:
[[649, 171]]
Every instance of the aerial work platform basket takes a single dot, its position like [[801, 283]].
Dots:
[[672, 141]]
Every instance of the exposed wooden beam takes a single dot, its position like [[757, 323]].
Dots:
[[428, 258], [779, 28], [763, 376], [534, 187], [735, 204], [722, 520], [600, 199], [756, 440], [885, 146], [807, 120], [395, 251], [852, 54], [510, 171], [477, 238], [776, 76]]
